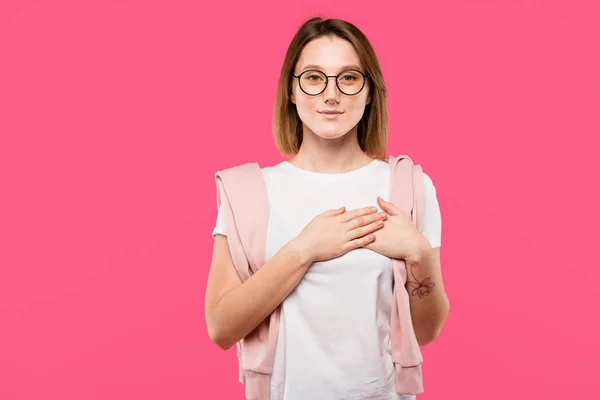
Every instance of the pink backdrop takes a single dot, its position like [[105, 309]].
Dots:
[[115, 115]]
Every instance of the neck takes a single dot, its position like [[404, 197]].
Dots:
[[330, 155]]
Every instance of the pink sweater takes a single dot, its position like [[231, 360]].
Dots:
[[243, 193]]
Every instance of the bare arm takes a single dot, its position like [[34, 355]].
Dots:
[[234, 309], [429, 304]]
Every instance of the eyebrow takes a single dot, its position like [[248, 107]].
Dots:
[[313, 66]]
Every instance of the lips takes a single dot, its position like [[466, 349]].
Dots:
[[330, 112], [330, 115]]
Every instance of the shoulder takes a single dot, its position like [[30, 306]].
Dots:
[[237, 168], [429, 190], [392, 160], [247, 174], [282, 167], [274, 169], [238, 172], [427, 180], [253, 164]]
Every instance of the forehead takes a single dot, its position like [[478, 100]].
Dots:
[[330, 53]]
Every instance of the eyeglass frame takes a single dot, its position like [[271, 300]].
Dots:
[[365, 76]]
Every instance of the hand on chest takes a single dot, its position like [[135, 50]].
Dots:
[[294, 205]]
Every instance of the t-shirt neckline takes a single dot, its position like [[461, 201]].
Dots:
[[325, 176]]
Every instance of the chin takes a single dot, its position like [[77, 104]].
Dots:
[[330, 132]]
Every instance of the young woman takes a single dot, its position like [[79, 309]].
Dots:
[[331, 235]]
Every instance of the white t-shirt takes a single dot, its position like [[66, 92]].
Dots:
[[334, 338]]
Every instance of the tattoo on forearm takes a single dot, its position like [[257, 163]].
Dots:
[[420, 288]]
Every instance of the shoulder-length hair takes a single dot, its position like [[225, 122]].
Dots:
[[373, 126]]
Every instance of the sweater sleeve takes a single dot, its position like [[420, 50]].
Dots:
[[431, 227]]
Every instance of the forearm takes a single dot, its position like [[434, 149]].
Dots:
[[429, 304], [243, 308]]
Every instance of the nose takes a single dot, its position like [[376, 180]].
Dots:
[[331, 93]]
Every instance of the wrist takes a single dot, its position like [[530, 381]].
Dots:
[[422, 251], [300, 252]]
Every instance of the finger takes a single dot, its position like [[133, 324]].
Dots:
[[365, 220], [333, 212], [388, 207], [359, 212], [365, 230], [360, 242]]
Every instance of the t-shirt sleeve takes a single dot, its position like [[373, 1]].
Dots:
[[431, 226], [220, 224]]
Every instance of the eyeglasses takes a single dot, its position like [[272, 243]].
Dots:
[[314, 82]]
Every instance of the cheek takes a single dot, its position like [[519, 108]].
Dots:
[[306, 106], [360, 103], [304, 101], [356, 107]]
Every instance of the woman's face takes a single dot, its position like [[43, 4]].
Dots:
[[330, 55]]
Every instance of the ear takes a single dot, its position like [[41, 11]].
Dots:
[[292, 98]]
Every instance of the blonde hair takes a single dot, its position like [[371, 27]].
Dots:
[[373, 126]]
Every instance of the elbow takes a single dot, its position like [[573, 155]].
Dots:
[[217, 334], [431, 331], [426, 337], [223, 344], [428, 334], [220, 339]]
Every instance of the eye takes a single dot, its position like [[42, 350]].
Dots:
[[313, 76], [349, 76]]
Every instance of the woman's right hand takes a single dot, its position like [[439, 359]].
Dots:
[[335, 232]]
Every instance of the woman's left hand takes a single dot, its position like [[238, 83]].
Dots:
[[399, 238]]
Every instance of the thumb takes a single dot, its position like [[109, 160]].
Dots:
[[388, 207]]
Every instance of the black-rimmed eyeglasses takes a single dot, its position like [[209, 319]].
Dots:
[[314, 82]]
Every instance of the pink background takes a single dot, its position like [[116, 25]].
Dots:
[[115, 115]]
